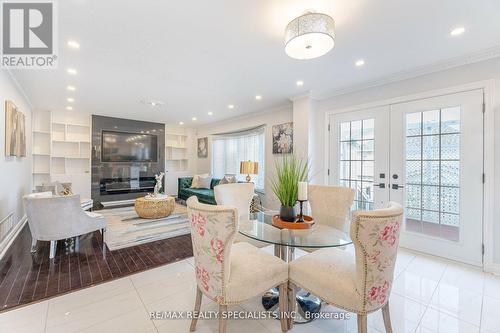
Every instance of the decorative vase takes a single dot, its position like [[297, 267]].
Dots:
[[287, 213]]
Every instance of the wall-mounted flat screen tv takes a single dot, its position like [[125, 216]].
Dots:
[[129, 147]]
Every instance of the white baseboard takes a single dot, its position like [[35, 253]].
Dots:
[[492, 268], [7, 242]]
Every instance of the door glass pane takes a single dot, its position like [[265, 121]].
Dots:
[[431, 122], [413, 148], [368, 150], [432, 172], [413, 123], [357, 160], [345, 150], [430, 150], [413, 172], [450, 120], [356, 130], [368, 129], [450, 147]]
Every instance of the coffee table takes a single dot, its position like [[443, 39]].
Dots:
[[154, 207]]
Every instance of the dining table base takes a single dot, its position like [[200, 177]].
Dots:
[[306, 304]]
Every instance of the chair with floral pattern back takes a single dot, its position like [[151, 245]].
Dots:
[[359, 283], [230, 273]]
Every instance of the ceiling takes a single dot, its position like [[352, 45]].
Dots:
[[201, 56]]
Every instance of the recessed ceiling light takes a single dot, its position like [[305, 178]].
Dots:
[[210, 113], [71, 100], [299, 83], [72, 71], [181, 123], [69, 108], [457, 31], [360, 63], [73, 44], [258, 97], [193, 119], [230, 106], [71, 88]]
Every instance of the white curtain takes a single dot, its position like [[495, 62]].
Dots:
[[229, 149]]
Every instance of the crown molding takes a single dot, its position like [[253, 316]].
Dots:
[[470, 58]]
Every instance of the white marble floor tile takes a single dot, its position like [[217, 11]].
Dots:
[[492, 285], [81, 298], [403, 259], [78, 318], [405, 315], [29, 319], [429, 267], [134, 321], [438, 322], [415, 286], [464, 276], [490, 319], [160, 273], [460, 303], [171, 283]]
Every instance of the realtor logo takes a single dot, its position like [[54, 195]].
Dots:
[[28, 39]]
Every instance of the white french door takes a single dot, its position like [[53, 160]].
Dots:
[[425, 154]]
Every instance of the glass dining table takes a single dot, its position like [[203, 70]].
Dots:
[[259, 227]]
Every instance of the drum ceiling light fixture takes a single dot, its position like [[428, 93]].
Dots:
[[310, 36]]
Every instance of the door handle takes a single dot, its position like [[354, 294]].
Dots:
[[396, 186], [380, 185]]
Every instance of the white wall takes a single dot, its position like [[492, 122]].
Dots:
[[15, 172], [485, 70], [269, 118]]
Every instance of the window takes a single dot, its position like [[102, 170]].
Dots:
[[357, 142], [229, 149], [433, 172]]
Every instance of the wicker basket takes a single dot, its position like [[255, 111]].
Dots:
[[154, 208]]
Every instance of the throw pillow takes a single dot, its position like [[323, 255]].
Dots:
[[231, 179], [204, 182], [195, 182]]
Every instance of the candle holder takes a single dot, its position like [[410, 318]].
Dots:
[[301, 215]]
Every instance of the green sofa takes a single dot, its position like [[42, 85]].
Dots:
[[204, 195]]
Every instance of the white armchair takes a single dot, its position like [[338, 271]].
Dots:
[[360, 283], [59, 217], [230, 273], [239, 195]]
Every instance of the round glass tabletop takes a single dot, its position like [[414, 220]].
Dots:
[[260, 227]]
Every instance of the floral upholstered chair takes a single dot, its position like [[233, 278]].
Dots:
[[359, 283], [230, 273]]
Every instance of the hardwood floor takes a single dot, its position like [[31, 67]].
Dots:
[[28, 277]]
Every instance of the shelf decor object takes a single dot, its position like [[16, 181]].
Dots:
[[309, 36], [289, 172], [249, 168]]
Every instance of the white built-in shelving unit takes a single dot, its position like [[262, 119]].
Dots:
[[176, 152], [61, 149], [177, 157]]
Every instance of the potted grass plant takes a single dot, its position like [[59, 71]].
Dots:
[[290, 170]]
